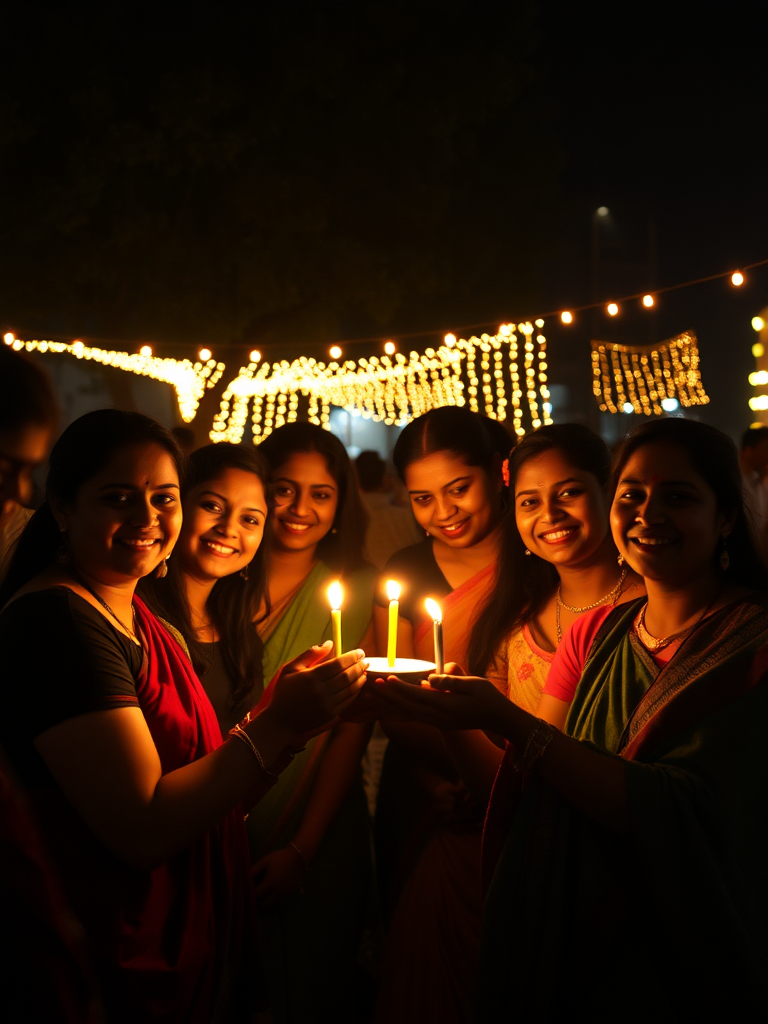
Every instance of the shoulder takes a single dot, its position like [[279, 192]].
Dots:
[[410, 560]]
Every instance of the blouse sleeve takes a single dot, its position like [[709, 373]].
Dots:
[[570, 657]]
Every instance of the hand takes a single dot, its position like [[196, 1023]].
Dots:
[[277, 875], [311, 691], [447, 702]]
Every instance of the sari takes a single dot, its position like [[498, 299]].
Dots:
[[306, 937], [433, 944], [666, 923]]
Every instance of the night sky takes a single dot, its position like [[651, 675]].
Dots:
[[286, 175]]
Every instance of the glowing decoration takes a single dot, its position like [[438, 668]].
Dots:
[[670, 404], [759, 403], [335, 597], [255, 356], [335, 352], [648, 301], [758, 350], [737, 279], [450, 340], [204, 355], [638, 378], [190, 380], [758, 324], [612, 309], [485, 373], [145, 350], [393, 593], [9, 338], [602, 211], [390, 348], [759, 378], [566, 316], [436, 614]]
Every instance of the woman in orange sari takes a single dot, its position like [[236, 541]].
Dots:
[[428, 826]]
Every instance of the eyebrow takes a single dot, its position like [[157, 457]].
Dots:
[[135, 487], [221, 497], [664, 483], [295, 483], [450, 483], [558, 483]]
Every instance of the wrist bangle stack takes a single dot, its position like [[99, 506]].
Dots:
[[539, 739], [239, 733], [299, 854]]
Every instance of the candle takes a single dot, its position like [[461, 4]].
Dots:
[[393, 593], [437, 627], [335, 596]]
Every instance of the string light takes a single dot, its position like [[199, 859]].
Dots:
[[204, 355], [255, 356], [481, 372], [737, 279], [758, 324], [190, 380], [758, 350], [390, 348], [612, 309], [335, 352], [566, 316], [643, 377], [648, 301], [145, 350], [8, 338]]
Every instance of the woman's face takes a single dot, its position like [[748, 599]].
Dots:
[[456, 503], [224, 521], [561, 511], [126, 519], [665, 518], [306, 499], [21, 452]]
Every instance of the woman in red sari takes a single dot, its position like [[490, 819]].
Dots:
[[428, 826], [112, 735]]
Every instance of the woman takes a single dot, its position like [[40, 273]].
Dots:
[[643, 861], [109, 730], [216, 581], [557, 562], [309, 837], [427, 825]]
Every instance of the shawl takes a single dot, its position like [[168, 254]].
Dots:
[[668, 922]]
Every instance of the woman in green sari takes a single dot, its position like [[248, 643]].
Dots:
[[625, 854]]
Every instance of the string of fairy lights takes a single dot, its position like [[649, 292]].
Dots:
[[502, 375]]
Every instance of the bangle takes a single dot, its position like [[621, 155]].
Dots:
[[239, 733], [299, 854], [539, 739]]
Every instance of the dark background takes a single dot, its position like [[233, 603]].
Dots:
[[285, 175]]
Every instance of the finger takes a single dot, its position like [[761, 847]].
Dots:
[[310, 658], [457, 684], [338, 666], [453, 668]]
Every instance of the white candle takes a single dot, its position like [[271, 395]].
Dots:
[[393, 593], [437, 627], [336, 596]]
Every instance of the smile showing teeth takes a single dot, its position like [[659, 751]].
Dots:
[[650, 542], [139, 543], [453, 527], [220, 549], [294, 527], [555, 535]]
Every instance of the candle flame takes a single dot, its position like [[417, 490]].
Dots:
[[393, 590], [335, 595], [434, 609]]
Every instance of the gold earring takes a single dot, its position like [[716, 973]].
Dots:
[[620, 559]]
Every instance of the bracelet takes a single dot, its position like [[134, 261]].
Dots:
[[239, 733], [299, 854], [539, 739]]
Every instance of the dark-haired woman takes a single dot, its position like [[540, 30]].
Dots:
[[428, 826], [310, 838], [110, 731], [632, 880]]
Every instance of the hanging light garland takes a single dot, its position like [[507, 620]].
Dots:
[[482, 372], [189, 380], [647, 378]]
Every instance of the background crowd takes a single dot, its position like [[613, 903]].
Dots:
[[566, 820]]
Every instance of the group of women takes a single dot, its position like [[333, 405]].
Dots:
[[567, 819]]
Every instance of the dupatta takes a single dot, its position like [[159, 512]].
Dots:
[[458, 613]]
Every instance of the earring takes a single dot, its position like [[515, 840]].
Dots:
[[244, 572], [725, 558], [527, 553], [620, 559], [162, 570], [427, 533]]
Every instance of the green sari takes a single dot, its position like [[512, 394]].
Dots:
[[306, 939], [666, 924]]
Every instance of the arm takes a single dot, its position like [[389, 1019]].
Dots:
[[108, 767]]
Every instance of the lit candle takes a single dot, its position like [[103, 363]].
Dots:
[[437, 625], [336, 596], [393, 593]]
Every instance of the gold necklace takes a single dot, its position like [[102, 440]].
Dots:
[[560, 603], [653, 643], [79, 579]]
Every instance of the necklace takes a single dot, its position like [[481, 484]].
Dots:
[[612, 596], [131, 632], [653, 643]]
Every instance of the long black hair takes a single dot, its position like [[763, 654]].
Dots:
[[342, 547], [474, 439], [233, 604], [714, 457], [82, 451], [524, 583]]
